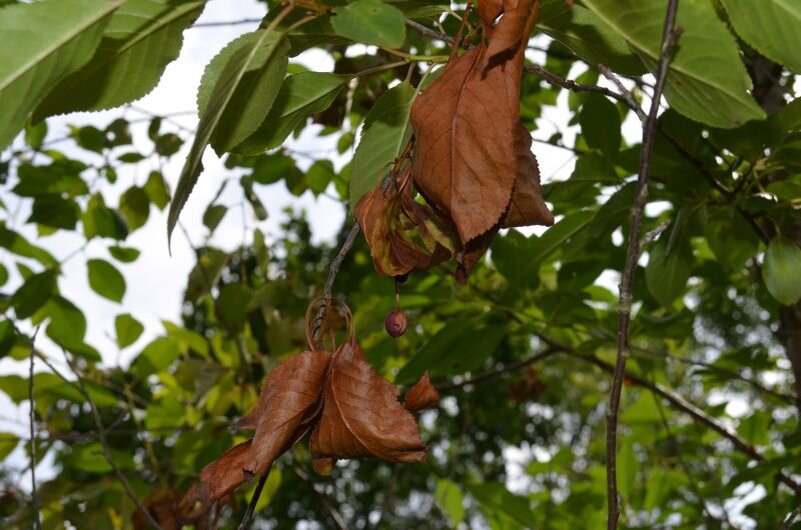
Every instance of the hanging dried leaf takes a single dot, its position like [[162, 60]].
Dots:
[[287, 404], [421, 396], [362, 416], [221, 476], [472, 159]]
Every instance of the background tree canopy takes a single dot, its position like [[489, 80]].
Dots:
[[523, 353]]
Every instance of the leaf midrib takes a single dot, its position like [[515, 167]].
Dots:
[[672, 65], [25, 68]]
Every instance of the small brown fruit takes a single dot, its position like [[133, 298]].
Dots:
[[396, 323]]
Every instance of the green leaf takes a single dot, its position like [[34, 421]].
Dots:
[[496, 499], [135, 207], [55, 211], [205, 274], [156, 356], [34, 293], [731, 239], [124, 254], [106, 280], [707, 81], [16, 244], [669, 269], [99, 220], [8, 442], [231, 306], [385, 133], [141, 38], [370, 22], [449, 499], [460, 346], [300, 96], [128, 330], [773, 28], [43, 42], [558, 234], [222, 120], [782, 270], [580, 30], [265, 57], [67, 323], [156, 189], [600, 124], [213, 215]]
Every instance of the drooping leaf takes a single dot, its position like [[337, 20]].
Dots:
[[265, 56], [106, 280], [222, 121], [782, 270], [361, 415], [385, 133], [16, 244], [222, 476], [54, 211], [156, 189], [300, 96], [141, 38], [773, 28], [668, 269], [135, 207], [67, 325], [450, 499], [43, 42], [370, 22], [707, 81], [288, 402]]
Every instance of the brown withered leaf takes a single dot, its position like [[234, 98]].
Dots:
[[472, 160], [288, 402], [221, 476], [362, 416], [163, 507], [422, 395], [464, 163]]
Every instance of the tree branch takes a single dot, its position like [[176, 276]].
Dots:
[[669, 38], [491, 374], [569, 84], [37, 521], [339, 521], [101, 433]]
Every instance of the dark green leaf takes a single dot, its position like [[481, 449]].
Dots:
[[123, 254], [156, 190], [54, 211], [781, 270], [34, 293], [370, 22]]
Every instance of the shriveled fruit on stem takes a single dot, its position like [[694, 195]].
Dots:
[[396, 323]]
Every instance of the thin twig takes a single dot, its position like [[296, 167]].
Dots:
[[254, 500], [491, 374], [101, 433], [569, 84], [791, 519], [226, 23], [34, 495], [669, 38], [739, 443], [428, 32]]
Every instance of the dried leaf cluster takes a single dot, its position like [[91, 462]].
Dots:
[[349, 410], [471, 159]]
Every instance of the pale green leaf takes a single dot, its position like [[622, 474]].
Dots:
[[773, 28], [370, 22], [106, 280], [300, 96], [385, 133], [128, 330], [782, 270], [141, 38], [449, 499], [496, 499], [260, 49], [707, 81], [43, 42]]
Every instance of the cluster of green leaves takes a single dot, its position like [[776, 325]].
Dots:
[[713, 300]]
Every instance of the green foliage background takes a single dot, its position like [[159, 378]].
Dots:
[[717, 316]]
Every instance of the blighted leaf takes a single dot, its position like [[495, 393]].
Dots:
[[370, 22], [422, 395], [470, 152], [221, 476], [361, 415], [286, 404], [782, 270]]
